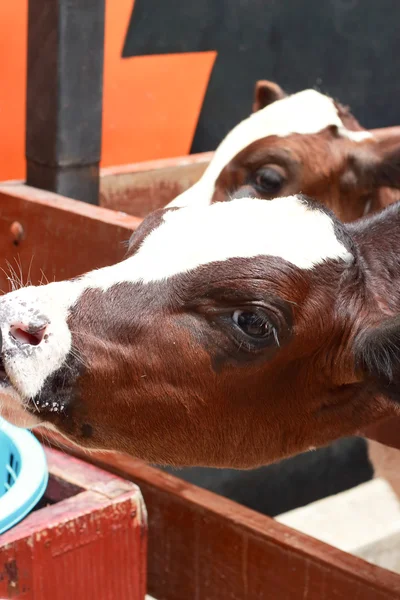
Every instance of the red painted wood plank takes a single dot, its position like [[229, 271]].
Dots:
[[61, 238], [90, 545], [141, 188], [202, 158]]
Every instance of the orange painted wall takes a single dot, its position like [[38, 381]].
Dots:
[[151, 103]]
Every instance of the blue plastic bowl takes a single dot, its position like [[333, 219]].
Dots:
[[23, 474]]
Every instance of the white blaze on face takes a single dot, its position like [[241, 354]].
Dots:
[[194, 236], [190, 237], [306, 112], [187, 238]]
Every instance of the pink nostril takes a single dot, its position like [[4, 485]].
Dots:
[[25, 334]]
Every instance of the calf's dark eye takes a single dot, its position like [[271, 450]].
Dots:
[[269, 180], [253, 324]]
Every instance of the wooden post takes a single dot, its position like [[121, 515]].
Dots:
[[64, 96]]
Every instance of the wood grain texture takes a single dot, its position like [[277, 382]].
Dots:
[[61, 238], [141, 188], [88, 545]]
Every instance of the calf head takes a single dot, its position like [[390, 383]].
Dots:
[[234, 352], [305, 143]]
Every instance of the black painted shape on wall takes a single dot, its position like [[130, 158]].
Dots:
[[347, 48]]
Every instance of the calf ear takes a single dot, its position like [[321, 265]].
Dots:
[[377, 357], [382, 169], [385, 135], [387, 171], [266, 92]]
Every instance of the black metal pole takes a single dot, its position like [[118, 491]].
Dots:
[[64, 96]]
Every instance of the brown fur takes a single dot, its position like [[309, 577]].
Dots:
[[166, 378]]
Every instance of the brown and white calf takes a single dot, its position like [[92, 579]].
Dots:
[[305, 143], [233, 334]]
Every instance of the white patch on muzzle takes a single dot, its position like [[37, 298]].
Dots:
[[29, 366]]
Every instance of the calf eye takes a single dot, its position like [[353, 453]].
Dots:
[[253, 324], [269, 180]]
